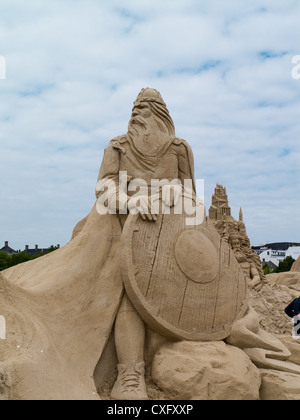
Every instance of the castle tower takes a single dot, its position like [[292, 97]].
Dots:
[[241, 217], [219, 207], [231, 229]]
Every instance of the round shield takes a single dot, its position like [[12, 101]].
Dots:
[[184, 281]]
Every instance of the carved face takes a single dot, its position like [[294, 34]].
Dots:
[[150, 118], [143, 110], [235, 243], [139, 121]]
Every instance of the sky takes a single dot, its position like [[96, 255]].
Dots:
[[74, 69]]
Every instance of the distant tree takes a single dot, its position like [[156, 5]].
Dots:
[[7, 261], [267, 269], [19, 258], [40, 254], [285, 265], [53, 248], [3, 260]]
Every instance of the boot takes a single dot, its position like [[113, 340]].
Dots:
[[130, 384]]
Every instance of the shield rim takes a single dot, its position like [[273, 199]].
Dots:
[[145, 310]]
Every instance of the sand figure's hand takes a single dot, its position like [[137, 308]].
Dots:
[[171, 194], [142, 205]]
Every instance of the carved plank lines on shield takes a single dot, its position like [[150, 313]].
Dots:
[[142, 235], [225, 308], [159, 280], [198, 310]]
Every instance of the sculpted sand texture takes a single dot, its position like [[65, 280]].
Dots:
[[105, 304]]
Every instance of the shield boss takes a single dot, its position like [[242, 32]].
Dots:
[[196, 257]]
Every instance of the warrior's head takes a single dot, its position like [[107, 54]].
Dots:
[[150, 112], [234, 241]]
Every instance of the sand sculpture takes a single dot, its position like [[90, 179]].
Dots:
[[143, 277], [234, 232], [296, 266], [288, 281]]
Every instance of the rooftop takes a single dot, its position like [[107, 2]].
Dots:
[[276, 246], [30, 251], [8, 249]]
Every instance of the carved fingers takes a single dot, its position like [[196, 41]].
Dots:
[[143, 206], [171, 194]]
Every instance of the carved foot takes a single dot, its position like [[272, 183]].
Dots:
[[130, 384]]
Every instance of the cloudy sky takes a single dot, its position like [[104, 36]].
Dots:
[[74, 68]]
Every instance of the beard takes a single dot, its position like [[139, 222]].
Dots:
[[148, 135], [146, 129], [240, 256], [137, 127]]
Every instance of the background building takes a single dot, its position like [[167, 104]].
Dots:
[[8, 249], [30, 251], [277, 251]]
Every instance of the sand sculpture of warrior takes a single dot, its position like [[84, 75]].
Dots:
[[148, 151], [131, 270], [180, 280]]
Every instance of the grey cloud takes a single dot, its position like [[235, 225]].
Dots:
[[75, 68]]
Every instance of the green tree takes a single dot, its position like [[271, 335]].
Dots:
[[3, 260], [53, 248], [267, 269], [285, 265], [7, 261], [40, 254], [19, 258]]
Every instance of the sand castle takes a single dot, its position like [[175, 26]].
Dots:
[[234, 232]]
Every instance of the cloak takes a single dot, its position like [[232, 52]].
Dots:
[[59, 312]]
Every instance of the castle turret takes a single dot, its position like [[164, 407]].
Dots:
[[219, 207], [241, 218]]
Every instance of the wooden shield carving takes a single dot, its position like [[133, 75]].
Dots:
[[184, 281]]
